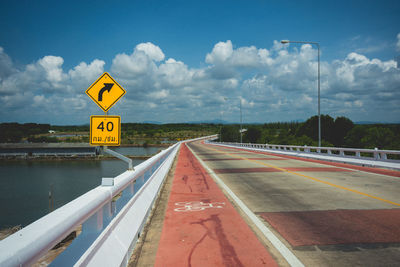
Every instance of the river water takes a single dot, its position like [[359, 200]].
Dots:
[[25, 185]]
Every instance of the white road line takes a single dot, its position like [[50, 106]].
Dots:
[[285, 252]]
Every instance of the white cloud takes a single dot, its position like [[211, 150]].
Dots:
[[273, 84], [52, 67], [358, 103], [220, 53], [154, 52], [359, 67], [159, 94], [398, 42], [140, 64], [135, 64], [39, 100], [174, 73], [76, 103], [87, 72], [248, 56], [230, 83], [152, 105], [6, 66]]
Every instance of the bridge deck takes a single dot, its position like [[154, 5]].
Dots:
[[325, 213]]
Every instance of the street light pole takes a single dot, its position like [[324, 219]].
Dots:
[[241, 133], [319, 84], [220, 127]]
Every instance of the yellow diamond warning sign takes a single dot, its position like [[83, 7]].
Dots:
[[105, 92], [105, 130]]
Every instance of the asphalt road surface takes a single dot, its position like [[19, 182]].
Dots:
[[326, 214]]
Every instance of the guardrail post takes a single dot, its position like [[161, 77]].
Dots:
[[131, 188], [376, 154], [108, 212], [94, 223]]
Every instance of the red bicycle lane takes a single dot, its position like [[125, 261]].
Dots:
[[201, 227]]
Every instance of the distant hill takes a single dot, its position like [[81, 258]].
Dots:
[[153, 122], [375, 122], [209, 122]]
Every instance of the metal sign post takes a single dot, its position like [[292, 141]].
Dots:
[[106, 130]]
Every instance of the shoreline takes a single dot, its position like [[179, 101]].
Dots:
[[58, 158], [88, 153], [71, 145]]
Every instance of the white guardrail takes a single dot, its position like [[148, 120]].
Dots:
[[371, 157], [375, 154], [112, 216]]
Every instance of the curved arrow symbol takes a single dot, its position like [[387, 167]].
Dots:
[[107, 86]]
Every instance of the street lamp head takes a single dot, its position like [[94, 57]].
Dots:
[[285, 41]]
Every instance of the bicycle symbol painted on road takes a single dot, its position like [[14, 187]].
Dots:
[[197, 206]]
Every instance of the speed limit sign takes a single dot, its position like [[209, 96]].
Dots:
[[105, 130]]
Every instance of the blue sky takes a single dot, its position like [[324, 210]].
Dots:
[[178, 60]]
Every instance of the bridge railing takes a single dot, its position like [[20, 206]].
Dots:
[[64, 154], [16, 154], [112, 216], [369, 154], [48, 154]]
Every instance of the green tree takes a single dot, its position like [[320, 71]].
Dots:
[[381, 138], [267, 135], [283, 137], [230, 133], [310, 128], [342, 126], [252, 135], [354, 136], [303, 140]]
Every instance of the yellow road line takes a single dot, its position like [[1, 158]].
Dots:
[[310, 178]]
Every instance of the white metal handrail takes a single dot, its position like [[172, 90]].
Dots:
[[376, 154], [94, 210], [16, 154], [62, 154]]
